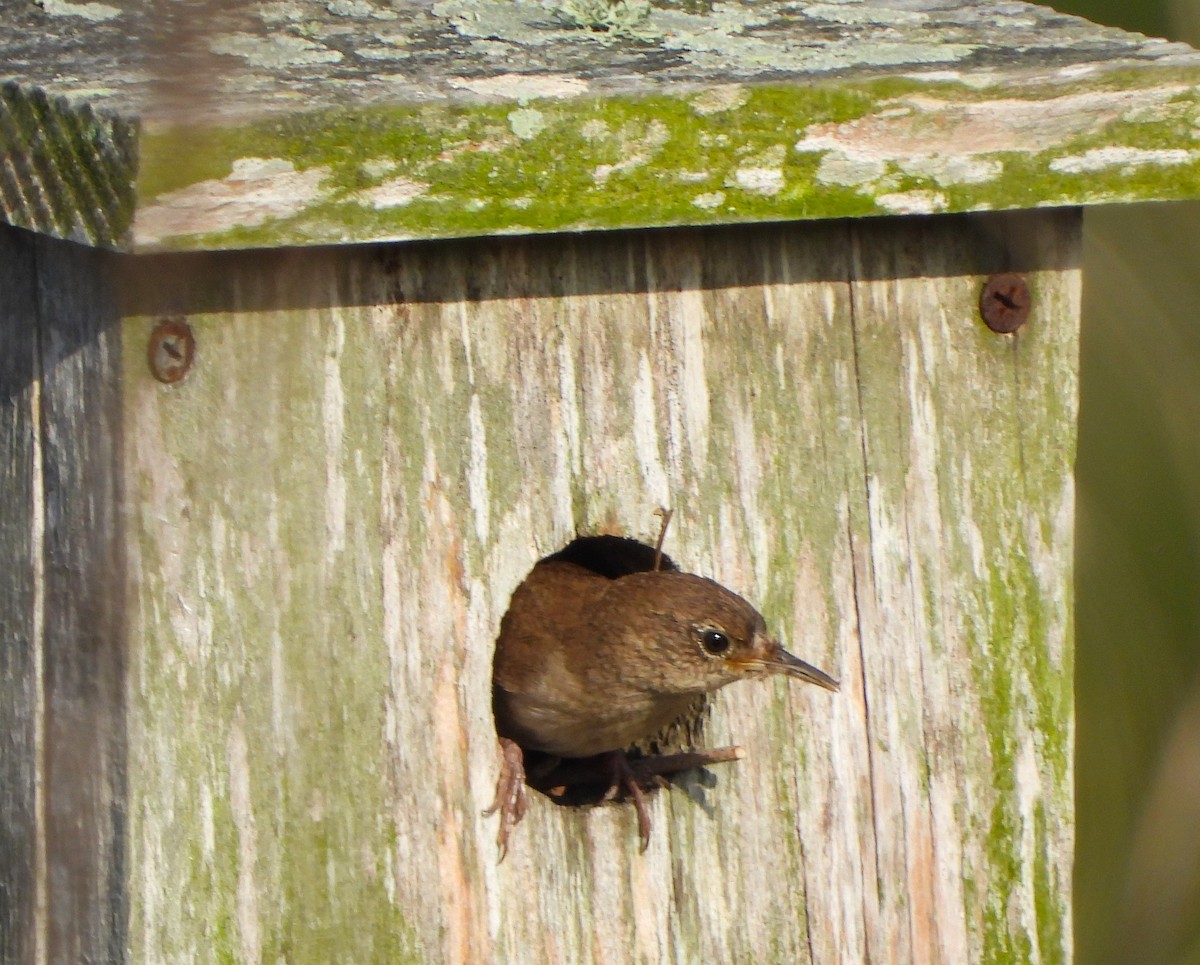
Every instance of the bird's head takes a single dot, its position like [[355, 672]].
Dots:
[[695, 636]]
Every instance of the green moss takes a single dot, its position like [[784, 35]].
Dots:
[[73, 168], [1001, 946], [484, 179], [1050, 908], [1008, 478], [505, 475], [318, 901], [610, 163], [1016, 650]]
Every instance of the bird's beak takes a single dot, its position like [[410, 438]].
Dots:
[[783, 662], [771, 658], [774, 659]]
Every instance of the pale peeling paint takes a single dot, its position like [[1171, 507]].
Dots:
[[523, 87], [837, 167], [913, 202], [945, 170], [278, 50], [762, 173], [710, 200], [1029, 791], [88, 11], [1127, 159], [334, 419], [257, 190], [766, 181], [637, 146], [920, 126], [716, 100], [477, 475], [394, 193], [242, 806], [360, 8], [281, 12], [645, 435], [862, 13]]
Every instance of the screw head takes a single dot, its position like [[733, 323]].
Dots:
[[171, 350], [1004, 302]]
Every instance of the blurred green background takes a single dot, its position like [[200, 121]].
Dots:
[[1137, 866]]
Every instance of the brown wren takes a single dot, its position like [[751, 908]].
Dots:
[[588, 664]]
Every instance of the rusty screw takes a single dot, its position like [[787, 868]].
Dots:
[[1004, 302], [172, 348]]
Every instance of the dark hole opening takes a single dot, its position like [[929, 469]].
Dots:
[[610, 556], [585, 781]]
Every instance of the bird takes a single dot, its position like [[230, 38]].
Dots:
[[589, 663]]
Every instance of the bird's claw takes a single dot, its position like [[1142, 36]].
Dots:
[[633, 775], [511, 797], [625, 776]]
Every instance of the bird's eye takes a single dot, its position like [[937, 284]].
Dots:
[[714, 642]]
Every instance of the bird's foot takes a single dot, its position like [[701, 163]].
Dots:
[[511, 797], [634, 775], [626, 778], [567, 781]]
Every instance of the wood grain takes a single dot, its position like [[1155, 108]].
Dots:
[[62, 674], [83, 626], [328, 515], [19, 658]]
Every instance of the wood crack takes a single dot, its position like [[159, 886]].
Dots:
[[852, 245]]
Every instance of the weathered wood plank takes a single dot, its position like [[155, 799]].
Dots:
[[19, 632], [964, 591], [311, 737], [62, 637], [82, 599], [259, 749]]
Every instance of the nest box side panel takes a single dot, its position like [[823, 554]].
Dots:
[[62, 642], [19, 657]]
